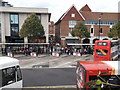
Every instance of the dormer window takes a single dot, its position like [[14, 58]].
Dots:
[[72, 15]]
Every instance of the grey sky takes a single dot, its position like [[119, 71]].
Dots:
[[58, 7]]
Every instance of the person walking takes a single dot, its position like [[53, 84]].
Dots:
[[81, 51]]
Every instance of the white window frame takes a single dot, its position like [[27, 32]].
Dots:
[[72, 15]]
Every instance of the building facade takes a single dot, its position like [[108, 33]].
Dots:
[[51, 31], [12, 19], [97, 23]]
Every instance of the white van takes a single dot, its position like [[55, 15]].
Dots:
[[10, 73]]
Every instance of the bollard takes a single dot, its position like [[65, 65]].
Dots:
[[10, 54], [76, 54], [33, 54], [55, 54]]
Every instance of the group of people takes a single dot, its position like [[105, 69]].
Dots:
[[82, 50], [25, 51], [49, 50]]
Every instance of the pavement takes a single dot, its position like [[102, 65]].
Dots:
[[63, 55], [49, 61]]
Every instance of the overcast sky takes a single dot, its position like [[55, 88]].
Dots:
[[58, 7]]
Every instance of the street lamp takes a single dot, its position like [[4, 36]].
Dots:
[[99, 19], [99, 27]]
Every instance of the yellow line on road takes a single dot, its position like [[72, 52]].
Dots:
[[64, 86]]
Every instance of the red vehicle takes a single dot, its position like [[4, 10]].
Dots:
[[105, 50], [87, 71]]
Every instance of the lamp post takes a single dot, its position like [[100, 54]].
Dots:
[[99, 19], [99, 26]]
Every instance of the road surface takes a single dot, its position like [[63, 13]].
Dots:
[[49, 77]]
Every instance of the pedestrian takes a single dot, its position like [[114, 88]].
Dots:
[[12, 51], [25, 51], [71, 51], [85, 51], [68, 52], [5, 51], [81, 51]]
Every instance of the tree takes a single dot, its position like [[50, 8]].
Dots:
[[115, 31], [80, 30], [32, 28]]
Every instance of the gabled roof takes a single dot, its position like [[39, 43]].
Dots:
[[104, 15], [73, 6], [85, 8], [89, 15]]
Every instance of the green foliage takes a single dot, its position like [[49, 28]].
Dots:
[[115, 32], [110, 35], [80, 30], [32, 27]]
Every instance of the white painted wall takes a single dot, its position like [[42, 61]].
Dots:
[[23, 14], [7, 24], [45, 23]]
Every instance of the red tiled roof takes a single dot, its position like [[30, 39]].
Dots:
[[103, 15], [87, 14], [85, 8], [61, 18]]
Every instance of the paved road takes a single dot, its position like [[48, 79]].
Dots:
[[46, 70], [51, 61], [49, 77]]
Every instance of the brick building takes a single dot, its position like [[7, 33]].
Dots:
[[51, 31], [97, 23]]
